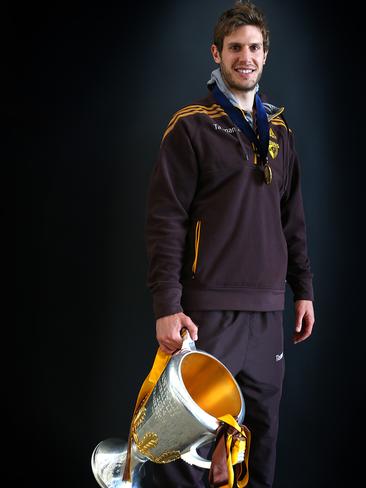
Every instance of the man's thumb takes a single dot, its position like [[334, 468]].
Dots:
[[298, 324]]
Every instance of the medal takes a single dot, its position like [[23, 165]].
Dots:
[[267, 173]]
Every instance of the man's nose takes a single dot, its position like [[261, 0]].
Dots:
[[245, 54]]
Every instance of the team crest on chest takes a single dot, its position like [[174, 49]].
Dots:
[[273, 149]]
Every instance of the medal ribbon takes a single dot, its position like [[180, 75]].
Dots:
[[261, 141]]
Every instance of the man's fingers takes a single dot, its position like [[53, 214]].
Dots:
[[191, 327], [301, 337], [299, 317], [171, 343], [305, 330], [168, 331], [167, 349], [304, 320]]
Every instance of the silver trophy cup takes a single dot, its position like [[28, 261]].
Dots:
[[180, 416]]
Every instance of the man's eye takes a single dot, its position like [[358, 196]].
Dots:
[[254, 47], [235, 48]]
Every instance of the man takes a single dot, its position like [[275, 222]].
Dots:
[[225, 231]]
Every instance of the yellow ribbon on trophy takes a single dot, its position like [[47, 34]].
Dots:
[[160, 362], [232, 445]]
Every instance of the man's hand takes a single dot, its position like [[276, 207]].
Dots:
[[304, 320], [168, 330]]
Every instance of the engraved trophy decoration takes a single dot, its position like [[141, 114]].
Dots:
[[179, 416]]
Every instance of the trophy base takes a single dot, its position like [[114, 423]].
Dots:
[[108, 463]]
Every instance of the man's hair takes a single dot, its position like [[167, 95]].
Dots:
[[243, 13]]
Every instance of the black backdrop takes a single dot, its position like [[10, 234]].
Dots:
[[94, 87]]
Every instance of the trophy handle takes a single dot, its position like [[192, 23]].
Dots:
[[188, 343], [192, 456]]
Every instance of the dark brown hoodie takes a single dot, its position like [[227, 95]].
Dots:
[[218, 237]]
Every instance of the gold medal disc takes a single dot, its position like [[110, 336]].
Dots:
[[267, 173]]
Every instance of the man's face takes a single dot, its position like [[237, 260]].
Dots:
[[242, 58]]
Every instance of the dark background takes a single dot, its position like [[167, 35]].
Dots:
[[92, 90]]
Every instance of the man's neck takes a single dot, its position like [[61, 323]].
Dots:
[[245, 99]]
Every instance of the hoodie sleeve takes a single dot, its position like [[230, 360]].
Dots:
[[172, 187], [299, 275]]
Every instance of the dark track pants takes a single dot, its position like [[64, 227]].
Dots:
[[250, 345]]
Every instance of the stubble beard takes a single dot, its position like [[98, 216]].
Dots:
[[232, 84]]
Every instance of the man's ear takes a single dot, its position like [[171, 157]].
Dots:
[[215, 54], [265, 57]]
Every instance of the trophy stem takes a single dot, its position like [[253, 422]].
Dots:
[[108, 464]]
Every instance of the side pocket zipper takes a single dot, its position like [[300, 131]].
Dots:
[[196, 246]]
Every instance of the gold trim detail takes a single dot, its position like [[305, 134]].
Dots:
[[213, 113], [149, 441], [166, 457], [255, 157], [196, 245], [140, 417], [280, 110], [190, 108], [272, 134], [278, 122]]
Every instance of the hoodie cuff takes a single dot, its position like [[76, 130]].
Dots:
[[303, 290], [167, 302]]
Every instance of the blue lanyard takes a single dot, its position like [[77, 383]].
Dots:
[[261, 141]]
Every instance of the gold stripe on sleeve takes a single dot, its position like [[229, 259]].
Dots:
[[204, 109], [214, 114], [278, 122]]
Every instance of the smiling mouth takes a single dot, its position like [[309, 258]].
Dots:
[[245, 71]]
